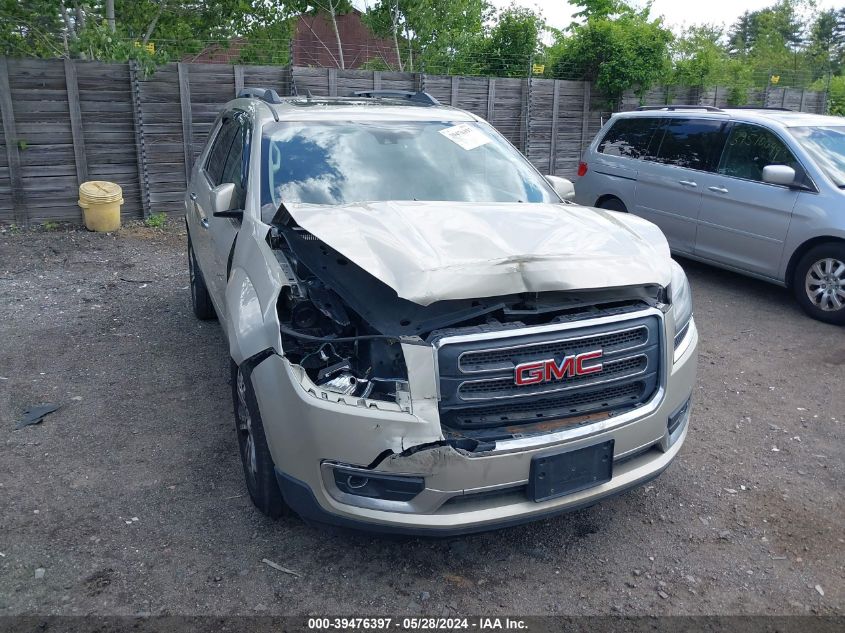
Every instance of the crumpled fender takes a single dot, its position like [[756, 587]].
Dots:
[[252, 291]]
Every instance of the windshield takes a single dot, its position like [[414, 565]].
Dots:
[[347, 162], [827, 147]]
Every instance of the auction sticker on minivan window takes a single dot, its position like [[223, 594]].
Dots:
[[466, 136]]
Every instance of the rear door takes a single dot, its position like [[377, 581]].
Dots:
[[744, 221], [668, 182]]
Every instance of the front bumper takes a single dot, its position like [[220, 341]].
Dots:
[[464, 492]]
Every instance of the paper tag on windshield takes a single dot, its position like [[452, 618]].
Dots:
[[466, 136]]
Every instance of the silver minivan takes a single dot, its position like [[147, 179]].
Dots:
[[757, 191]]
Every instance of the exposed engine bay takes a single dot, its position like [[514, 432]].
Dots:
[[345, 327]]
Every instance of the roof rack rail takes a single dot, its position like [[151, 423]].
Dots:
[[751, 107], [265, 94], [423, 98], [672, 108]]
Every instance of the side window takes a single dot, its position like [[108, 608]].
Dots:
[[219, 151], [750, 148], [235, 169], [691, 143], [629, 137]]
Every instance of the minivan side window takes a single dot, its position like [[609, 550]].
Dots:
[[235, 169], [691, 143], [219, 151], [750, 148], [629, 137]]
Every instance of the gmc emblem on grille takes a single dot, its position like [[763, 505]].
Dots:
[[547, 370]]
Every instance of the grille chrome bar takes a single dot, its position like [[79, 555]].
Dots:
[[563, 385], [639, 336]]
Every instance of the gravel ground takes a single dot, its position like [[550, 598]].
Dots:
[[130, 499]]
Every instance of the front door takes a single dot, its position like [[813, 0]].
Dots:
[[743, 221]]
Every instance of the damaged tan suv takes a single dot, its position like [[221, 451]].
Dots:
[[426, 337]]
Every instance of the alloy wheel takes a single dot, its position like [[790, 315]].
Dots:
[[825, 284], [245, 432]]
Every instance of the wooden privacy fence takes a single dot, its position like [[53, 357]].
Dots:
[[65, 122]]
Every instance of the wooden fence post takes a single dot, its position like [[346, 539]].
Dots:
[[553, 137], [239, 78], [585, 115], [12, 152], [376, 80], [524, 116], [140, 148], [332, 75], [76, 129], [491, 98], [187, 120]]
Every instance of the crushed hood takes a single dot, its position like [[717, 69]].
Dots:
[[433, 251]]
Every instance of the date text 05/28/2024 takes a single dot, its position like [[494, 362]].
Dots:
[[417, 624]]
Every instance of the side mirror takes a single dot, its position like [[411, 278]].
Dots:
[[563, 187], [779, 175], [222, 201]]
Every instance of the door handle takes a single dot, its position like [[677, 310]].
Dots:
[[718, 189], [688, 183], [204, 223], [193, 196]]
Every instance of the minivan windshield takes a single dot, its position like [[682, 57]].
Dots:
[[327, 162], [826, 145]]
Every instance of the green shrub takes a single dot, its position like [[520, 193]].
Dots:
[[156, 221]]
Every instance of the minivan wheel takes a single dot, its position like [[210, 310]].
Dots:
[[259, 469], [612, 204], [200, 299], [819, 283]]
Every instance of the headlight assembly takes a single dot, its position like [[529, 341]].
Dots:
[[680, 296]]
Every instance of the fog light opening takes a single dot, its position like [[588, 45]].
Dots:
[[356, 482], [374, 485], [678, 417]]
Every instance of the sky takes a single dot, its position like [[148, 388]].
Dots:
[[676, 13]]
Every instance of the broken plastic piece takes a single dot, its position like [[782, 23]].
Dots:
[[35, 414]]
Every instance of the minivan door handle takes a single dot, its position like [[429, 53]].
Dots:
[[718, 189], [688, 183]]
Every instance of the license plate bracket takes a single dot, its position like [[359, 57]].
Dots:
[[557, 474]]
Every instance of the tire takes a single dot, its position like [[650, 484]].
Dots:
[[259, 469], [200, 299], [819, 282], [612, 204]]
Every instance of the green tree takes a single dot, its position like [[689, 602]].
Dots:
[[826, 46], [598, 8], [618, 53], [699, 57], [438, 35], [513, 42], [31, 29]]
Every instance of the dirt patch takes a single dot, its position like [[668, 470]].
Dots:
[[131, 497]]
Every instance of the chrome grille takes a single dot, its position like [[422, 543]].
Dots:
[[508, 358], [505, 387], [478, 387]]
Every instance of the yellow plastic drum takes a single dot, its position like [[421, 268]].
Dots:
[[100, 202]]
